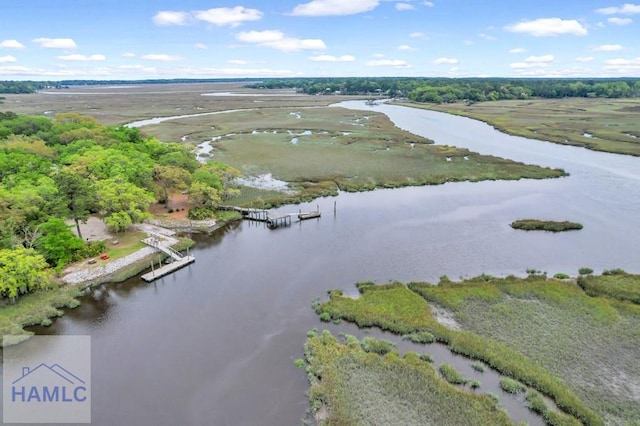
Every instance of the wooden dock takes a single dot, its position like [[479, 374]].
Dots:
[[168, 268], [272, 219], [178, 260]]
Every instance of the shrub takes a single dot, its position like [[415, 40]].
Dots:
[[475, 384], [201, 213], [585, 271], [561, 276]]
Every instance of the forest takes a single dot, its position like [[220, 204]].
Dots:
[[444, 90], [55, 173]]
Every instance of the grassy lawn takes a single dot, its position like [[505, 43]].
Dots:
[[353, 387], [609, 125], [592, 343]]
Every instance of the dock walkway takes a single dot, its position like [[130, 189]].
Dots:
[[163, 243]]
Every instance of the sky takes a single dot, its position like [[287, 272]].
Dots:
[[162, 39]]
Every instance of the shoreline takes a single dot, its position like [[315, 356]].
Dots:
[[42, 307]]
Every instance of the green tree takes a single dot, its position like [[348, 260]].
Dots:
[[171, 179], [57, 243], [78, 196], [116, 195], [21, 271], [203, 195]]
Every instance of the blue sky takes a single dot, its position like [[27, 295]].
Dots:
[[138, 39]]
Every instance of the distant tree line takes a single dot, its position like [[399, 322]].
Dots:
[[18, 87], [442, 90]]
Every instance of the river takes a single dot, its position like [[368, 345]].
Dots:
[[215, 342]]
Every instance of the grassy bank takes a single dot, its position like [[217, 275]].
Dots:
[[616, 284], [609, 125], [350, 386], [36, 309], [545, 225], [396, 308], [39, 307]]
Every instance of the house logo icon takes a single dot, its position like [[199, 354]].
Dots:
[[47, 379], [48, 383]]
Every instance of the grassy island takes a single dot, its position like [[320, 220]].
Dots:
[[547, 334], [545, 225]]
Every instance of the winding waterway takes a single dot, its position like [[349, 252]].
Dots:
[[215, 342]]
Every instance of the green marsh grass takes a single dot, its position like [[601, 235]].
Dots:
[[36, 309], [510, 385], [616, 284], [559, 331], [545, 225], [611, 122], [360, 388], [403, 310], [452, 375]]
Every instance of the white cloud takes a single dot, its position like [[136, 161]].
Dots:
[[378, 55], [517, 50], [129, 55], [7, 58], [428, 3], [237, 72], [406, 47], [626, 9], [539, 59], [277, 40], [56, 43], [201, 46], [334, 7], [533, 62], [620, 21], [237, 62], [11, 44], [623, 66], [486, 36], [607, 48], [445, 60], [78, 57], [404, 6], [161, 57], [167, 17], [331, 58], [585, 58], [394, 63], [228, 16], [548, 27], [417, 34]]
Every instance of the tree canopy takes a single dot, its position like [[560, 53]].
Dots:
[[55, 173]]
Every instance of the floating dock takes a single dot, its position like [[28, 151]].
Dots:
[[168, 268], [178, 260]]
